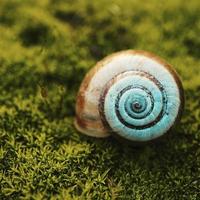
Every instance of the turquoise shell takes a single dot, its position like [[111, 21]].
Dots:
[[139, 108], [131, 94]]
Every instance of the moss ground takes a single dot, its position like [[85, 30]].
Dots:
[[46, 47]]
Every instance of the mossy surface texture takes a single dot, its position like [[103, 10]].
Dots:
[[46, 48]]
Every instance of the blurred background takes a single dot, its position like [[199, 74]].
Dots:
[[46, 47]]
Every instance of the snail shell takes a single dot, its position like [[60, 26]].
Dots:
[[131, 94]]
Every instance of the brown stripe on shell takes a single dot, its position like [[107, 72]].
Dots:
[[81, 121], [83, 125]]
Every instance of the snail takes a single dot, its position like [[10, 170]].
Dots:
[[133, 95]]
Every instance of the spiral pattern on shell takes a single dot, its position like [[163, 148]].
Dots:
[[135, 96]]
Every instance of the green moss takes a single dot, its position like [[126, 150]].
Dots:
[[46, 47]]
